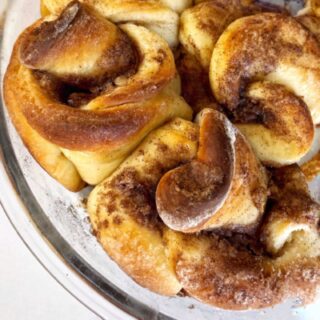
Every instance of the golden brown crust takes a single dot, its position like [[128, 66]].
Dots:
[[276, 122], [267, 45], [224, 269], [223, 187], [223, 272], [50, 46], [188, 196], [103, 125], [157, 16], [202, 25], [73, 128], [81, 123], [47, 154], [231, 278]]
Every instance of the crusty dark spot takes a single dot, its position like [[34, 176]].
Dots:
[[117, 220]]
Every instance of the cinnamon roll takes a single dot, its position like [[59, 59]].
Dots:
[[239, 273], [83, 92], [123, 211], [272, 47], [136, 212]]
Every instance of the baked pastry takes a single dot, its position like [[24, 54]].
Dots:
[[206, 38], [200, 28], [223, 272], [181, 205], [274, 62], [267, 52], [160, 16], [272, 135], [123, 211], [224, 186], [82, 103], [230, 194], [226, 267]]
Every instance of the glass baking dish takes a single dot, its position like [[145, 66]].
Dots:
[[54, 225]]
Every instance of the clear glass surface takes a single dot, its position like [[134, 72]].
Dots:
[[61, 218]]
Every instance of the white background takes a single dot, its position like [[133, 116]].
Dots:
[[27, 291]]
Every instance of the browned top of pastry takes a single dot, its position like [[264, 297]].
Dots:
[[255, 50], [188, 195], [82, 61], [79, 47]]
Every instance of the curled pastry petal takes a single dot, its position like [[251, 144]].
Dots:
[[276, 122], [223, 272], [224, 186], [266, 46], [156, 67], [75, 49], [223, 269]]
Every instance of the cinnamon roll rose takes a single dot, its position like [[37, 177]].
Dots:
[[243, 259], [83, 92]]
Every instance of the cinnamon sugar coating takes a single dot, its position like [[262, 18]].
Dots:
[[91, 90]]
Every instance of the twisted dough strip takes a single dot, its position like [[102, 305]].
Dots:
[[276, 48], [88, 141], [229, 272], [157, 16]]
